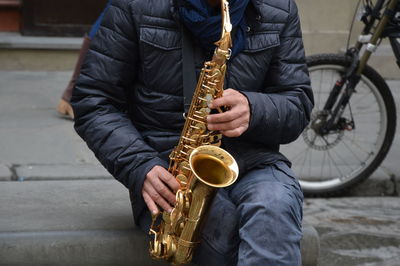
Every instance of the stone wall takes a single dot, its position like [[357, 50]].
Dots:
[[325, 26]]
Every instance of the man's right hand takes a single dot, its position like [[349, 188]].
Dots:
[[159, 189]]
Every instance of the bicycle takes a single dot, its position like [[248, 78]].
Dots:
[[354, 119]]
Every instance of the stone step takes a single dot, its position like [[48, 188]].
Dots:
[[19, 52], [13, 40], [86, 222], [92, 247]]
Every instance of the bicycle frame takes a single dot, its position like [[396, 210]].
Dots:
[[379, 32], [335, 105]]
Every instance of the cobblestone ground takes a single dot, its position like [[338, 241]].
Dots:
[[356, 231]]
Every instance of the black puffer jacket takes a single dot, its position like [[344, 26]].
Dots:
[[128, 99]]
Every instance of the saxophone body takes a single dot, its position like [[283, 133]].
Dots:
[[197, 163]]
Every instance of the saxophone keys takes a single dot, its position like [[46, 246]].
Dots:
[[192, 138], [156, 249], [216, 138], [204, 102], [200, 127], [179, 202], [204, 111], [216, 73], [187, 199], [218, 144], [184, 168], [171, 247], [228, 27], [182, 180]]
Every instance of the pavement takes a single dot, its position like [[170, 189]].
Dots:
[[36, 143], [356, 230], [53, 192]]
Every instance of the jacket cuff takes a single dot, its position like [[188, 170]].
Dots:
[[257, 114]]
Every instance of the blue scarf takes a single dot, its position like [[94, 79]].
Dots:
[[205, 23]]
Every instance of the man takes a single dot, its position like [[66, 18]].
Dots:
[[128, 103]]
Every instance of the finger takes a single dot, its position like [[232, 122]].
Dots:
[[226, 100], [227, 125], [156, 179], [229, 91], [156, 197], [234, 132], [162, 189], [151, 205], [170, 180], [166, 177], [230, 97], [233, 114]]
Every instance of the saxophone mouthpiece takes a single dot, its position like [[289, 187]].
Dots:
[[226, 18], [228, 27]]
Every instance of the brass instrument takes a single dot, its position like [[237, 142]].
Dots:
[[197, 163]]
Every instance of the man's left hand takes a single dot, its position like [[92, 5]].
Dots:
[[233, 122]]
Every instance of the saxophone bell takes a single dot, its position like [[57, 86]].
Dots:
[[213, 166]]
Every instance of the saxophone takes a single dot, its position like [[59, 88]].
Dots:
[[197, 162]]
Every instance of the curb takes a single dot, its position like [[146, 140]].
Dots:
[[97, 247], [86, 222], [11, 40]]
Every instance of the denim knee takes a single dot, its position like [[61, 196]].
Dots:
[[269, 203]]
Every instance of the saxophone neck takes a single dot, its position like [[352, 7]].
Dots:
[[225, 43]]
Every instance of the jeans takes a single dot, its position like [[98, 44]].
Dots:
[[255, 221]]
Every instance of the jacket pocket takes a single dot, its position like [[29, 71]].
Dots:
[[260, 41], [253, 63], [162, 38], [161, 54]]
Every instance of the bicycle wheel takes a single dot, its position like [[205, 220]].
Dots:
[[329, 164]]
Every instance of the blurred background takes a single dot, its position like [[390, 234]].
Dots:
[[46, 169], [325, 27]]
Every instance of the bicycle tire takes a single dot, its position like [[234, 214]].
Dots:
[[384, 100]]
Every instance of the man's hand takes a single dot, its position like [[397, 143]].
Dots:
[[235, 121], [159, 189]]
